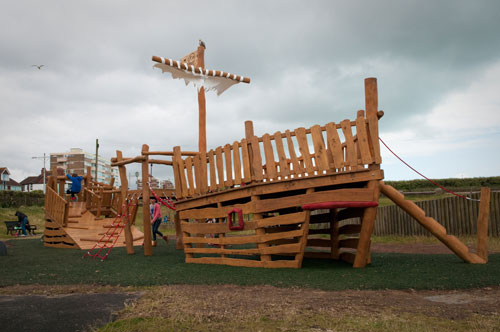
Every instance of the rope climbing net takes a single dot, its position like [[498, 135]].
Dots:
[[108, 240]]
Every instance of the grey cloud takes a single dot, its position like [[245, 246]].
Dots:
[[98, 65]]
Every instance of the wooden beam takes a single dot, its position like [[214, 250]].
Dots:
[[148, 250], [170, 153], [129, 161], [160, 162], [482, 223], [431, 225], [123, 204]]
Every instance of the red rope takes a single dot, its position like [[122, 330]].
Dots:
[[433, 182], [169, 203]]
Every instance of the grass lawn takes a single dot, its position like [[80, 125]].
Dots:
[[29, 262]]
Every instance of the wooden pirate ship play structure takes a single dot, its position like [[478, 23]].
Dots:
[[98, 217], [269, 200]]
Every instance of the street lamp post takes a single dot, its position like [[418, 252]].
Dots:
[[44, 159]]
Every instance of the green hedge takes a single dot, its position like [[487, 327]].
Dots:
[[18, 198], [450, 183]]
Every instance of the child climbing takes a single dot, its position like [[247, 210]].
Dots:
[[76, 185], [156, 221]]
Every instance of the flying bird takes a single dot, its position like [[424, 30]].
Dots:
[[202, 44], [38, 66]]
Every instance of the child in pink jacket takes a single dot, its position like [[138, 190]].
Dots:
[[156, 221]]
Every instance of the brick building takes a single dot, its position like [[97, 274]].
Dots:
[[76, 161]]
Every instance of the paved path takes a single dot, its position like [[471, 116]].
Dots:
[[60, 313]]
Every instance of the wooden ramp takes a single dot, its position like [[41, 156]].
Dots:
[[84, 229]]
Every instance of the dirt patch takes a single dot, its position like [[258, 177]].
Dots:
[[226, 301], [200, 303]]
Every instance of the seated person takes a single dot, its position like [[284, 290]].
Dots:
[[23, 219]]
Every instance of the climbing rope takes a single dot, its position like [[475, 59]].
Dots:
[[167, 201], [431, 181], [112, 234]]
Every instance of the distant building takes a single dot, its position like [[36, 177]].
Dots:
[[167, 184], [7, 183], [76, 161], [35, 182], [156, 184]]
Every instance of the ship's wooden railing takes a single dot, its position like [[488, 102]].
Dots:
[[56, 207], [348, 146]]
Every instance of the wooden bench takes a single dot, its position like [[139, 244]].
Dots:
[[15, 226]]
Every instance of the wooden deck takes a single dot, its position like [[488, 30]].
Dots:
[[83, 230]]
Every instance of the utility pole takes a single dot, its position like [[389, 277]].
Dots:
[[96, 157], [44, 159]]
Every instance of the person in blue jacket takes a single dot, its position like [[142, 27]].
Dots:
[[76, 185], [23, 219]]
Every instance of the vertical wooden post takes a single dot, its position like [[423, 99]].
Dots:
[[371, 96], [249, 134], [61, 184], [66, 214], [334, 234], [99, 202], [123, 209], [88, 185], [96, 158], [146, 217], [178, 231], [371, 108], [178, 193], [260, 231], [53, 183], [303, 240], [367, 225], [202, 122], [482, 223], [177, 177]]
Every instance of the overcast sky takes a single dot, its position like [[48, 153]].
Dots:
[[437, 65]]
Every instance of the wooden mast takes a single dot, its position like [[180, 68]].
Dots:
[[202, 122]]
